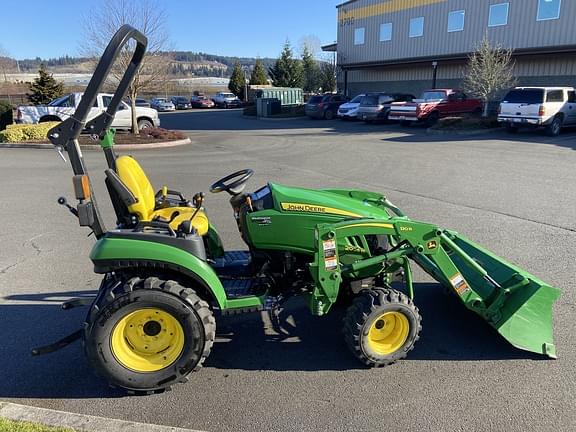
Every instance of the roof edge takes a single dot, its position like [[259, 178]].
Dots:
[[345, 3]]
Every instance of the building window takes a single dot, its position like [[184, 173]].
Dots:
[[456, 21], [498, 15], [417, 27], [359, 36], [385, 32], [548, 9]]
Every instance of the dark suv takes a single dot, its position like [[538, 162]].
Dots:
[[376, 106], [180, 102], [324, 106]]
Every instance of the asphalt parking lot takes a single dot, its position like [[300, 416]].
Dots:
[[514, 194]]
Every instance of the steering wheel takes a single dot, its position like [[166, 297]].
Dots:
[[234, 183]]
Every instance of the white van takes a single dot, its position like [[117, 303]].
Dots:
[[550, 107]]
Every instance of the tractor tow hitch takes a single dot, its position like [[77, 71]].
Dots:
[[65, 341], [62, 343]]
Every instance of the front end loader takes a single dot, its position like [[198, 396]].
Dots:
[[166, 276]]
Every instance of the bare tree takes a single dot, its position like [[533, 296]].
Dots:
[[490, 70], [5, 62], [310, 43], [148, 16]]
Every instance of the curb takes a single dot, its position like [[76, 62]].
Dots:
[[78, 422], [461, 132], [272, 118], [164, 144]]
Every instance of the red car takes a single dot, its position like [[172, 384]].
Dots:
[[201, 102], [433, 105]]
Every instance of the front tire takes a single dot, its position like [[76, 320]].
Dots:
[[381, 326], [144, 124], [145, 335], [432, 118]]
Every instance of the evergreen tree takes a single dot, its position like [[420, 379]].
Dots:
[[45, 88], [237, 81], [327, 79], [311, 71], [258, 76], [287, 71]]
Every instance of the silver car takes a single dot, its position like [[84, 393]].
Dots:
[[349, 110], [376, 106], [162, 104]]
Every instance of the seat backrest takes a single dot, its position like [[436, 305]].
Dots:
[[135, 179]]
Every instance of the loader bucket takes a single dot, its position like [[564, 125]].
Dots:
[[517, 304]]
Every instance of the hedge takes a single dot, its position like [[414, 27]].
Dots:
[[26, 132]]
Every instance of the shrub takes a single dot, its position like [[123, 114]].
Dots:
[[5, 114], [26, 132], [164, 134]]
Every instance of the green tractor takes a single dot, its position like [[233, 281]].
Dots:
[[166, 276]]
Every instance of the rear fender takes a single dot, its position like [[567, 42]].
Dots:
[[112, 254]]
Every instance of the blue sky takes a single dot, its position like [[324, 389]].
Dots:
[[253, 28]]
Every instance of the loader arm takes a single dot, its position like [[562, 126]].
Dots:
[[517, 304]]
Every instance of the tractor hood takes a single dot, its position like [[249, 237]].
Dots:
[[345, 203]]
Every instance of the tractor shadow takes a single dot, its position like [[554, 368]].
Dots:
[[296, 341], [302, 342], [29, 321]]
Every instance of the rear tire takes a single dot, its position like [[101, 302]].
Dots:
[[554, 128], [145, 335], [381, 326], [329, 115]]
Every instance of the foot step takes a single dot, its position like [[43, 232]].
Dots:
[[234, 263], [233, 258], [242, 287]]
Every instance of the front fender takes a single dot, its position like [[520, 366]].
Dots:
[[126, 252]]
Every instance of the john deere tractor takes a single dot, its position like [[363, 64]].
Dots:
[[166, 276]]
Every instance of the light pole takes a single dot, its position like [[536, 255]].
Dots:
[[245, 84], [434, 75]]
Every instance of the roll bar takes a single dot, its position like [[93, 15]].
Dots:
[[65, 135]]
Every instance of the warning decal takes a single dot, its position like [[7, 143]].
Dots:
[[459, 284], [330, 258], [329, 244], [331, 263]]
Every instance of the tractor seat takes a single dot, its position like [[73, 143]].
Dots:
[[146, 207]]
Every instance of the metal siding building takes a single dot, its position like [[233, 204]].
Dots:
[[544, 50]]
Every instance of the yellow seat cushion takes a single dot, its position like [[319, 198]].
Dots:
[[135, 179], [200, 221]]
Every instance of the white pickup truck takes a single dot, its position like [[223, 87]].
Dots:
[[62, 108]]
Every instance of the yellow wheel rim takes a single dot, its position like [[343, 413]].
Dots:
[[147, 340], [388, 333]]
